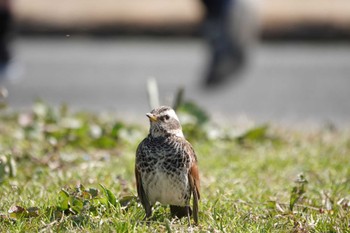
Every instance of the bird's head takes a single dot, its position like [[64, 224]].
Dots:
[[164, 121]]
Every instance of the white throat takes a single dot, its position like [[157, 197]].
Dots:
[[178, 133]]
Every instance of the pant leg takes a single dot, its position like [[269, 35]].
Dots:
[[226, 54], [5, 24]]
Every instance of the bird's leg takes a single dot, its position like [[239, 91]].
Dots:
[[148, 209], [188, 217]]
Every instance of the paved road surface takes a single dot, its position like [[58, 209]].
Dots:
[[286, 82]]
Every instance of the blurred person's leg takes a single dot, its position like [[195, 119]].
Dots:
[[5, 56], [227, 57]]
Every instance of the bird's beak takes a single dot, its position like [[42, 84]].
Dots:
[[152, 117]]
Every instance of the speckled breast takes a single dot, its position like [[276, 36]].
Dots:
[[164, 166]]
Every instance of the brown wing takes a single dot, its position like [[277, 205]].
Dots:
[[193, 177], [193, 172], [140, 191]]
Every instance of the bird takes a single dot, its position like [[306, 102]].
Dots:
[[166, 167]]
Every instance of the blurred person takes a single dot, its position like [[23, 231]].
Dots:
[[9, 68], [227, 56], [5, 24]]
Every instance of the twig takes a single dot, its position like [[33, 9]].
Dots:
[[153, 94], [179, 98]]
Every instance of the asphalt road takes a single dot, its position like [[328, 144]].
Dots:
[[284, 82]]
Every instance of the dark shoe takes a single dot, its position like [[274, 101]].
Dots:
[[224, 67]]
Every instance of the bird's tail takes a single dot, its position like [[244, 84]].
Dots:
[[180, 211]]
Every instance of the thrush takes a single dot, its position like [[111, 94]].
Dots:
[[166, 166]]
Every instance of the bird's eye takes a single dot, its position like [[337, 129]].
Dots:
[[167, 117]]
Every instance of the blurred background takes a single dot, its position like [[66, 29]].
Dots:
[[266, 60]]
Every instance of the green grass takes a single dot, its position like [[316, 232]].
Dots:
[[73, 172]]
